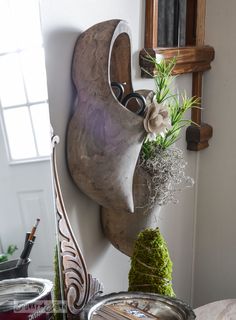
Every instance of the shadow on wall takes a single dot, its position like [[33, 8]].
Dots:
[[84, 213]]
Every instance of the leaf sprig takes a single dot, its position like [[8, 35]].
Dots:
[[177, 104], [10, 250]]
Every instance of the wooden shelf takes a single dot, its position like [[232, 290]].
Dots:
[[195, 58], [189, 59]]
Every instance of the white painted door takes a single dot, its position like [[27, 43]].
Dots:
[[25, 195]]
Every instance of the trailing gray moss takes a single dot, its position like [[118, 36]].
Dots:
[[167, 171], [151, 266]]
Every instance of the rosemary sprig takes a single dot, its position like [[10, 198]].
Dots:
[[177, 104]]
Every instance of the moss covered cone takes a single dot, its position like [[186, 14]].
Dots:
[[151, 266]]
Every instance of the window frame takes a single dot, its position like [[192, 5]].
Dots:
[[28, 104]]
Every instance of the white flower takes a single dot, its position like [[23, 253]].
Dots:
[[157, 119]]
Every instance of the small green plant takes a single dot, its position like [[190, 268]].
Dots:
[[151, 266], [163, 78], [166, 119], [57, 289], [10, 250]]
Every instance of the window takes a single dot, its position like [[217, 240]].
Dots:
[[23, 85]]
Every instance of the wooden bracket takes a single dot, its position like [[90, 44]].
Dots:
[[198, 137]]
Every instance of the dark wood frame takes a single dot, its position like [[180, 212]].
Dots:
[[194, 58]]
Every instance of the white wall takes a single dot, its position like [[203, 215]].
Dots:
[[62, 22], [216, 234]]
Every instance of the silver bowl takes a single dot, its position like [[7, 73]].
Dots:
[[25, 298], [137, 305]]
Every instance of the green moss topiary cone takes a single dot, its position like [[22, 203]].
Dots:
[[151, 266]]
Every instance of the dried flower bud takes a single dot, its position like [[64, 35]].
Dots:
[[157, 118]]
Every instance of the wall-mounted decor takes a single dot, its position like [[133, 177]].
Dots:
[[104, 137], [120, 149], [77, 285], [160, 170], [112, 133], [194, 57], [152, 189]]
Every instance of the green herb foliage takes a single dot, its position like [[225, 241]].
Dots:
[[10, 250], [177, 105]]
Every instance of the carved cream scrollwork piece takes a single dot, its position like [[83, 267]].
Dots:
[[79, 286]]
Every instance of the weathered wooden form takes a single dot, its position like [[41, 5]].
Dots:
[[104, 138]]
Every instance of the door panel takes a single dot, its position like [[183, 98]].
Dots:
[[26, 194]]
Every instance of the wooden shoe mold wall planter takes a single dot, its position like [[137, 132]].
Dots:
[[104, 141], [105, 138]]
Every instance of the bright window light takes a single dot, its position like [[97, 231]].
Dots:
[[6, 28], [41, 124], [20, 134], [23, 83], [33, 67], [12, 90], [26, 21]]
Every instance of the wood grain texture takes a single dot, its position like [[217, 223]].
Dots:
[[191, 18], [198, 136], [104, 138], [79, 286], [198, 76], [195, 58], [189, 59], [151, 24], [122, 227], [196, 113], [120, 65], [200, 22]]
